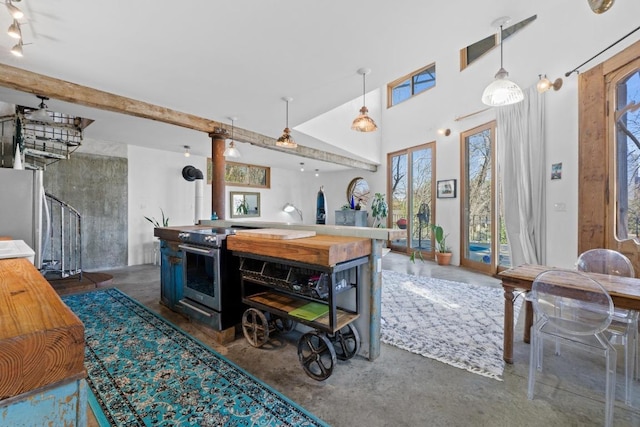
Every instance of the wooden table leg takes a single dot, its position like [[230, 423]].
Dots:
[[528, 320], [507, 351]]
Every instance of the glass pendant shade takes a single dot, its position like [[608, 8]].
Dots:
[[17, 49], [363, 123], [231, 150], [15, 12], [502, 91], [286, 140], [14, 30]]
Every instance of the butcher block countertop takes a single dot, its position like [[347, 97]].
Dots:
[[321, 249], [41, 339]]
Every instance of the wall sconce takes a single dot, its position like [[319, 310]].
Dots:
[[301, 167], [544, 84], [317, 172], [187, 153], [289, 207], [444, 132]]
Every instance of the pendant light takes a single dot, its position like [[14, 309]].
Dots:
[[364, 123], [187, 151], [600, 6], [501, 91], [17, 49], [286, 140], [231, 150], [14, 30], [41, 115], [15, 12]]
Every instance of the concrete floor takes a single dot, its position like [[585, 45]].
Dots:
[[403, 389]]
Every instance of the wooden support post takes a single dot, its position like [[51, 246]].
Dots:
[[218, 141], [375, 298]]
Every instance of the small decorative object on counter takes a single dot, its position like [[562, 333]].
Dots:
[[214, 216]]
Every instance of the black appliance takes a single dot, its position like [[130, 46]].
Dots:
[[211, 278]]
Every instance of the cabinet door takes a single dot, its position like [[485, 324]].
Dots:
[[171, 275]]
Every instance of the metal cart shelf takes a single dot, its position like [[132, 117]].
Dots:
[[277, 290]]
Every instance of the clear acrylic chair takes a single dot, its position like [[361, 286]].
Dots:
[[624, 325], [575, 309]]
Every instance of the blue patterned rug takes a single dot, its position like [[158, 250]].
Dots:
[[144, 371]]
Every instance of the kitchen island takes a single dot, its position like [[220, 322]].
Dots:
[[370, 282]]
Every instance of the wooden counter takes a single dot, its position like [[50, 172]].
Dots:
[[41, 339], [319, 250]]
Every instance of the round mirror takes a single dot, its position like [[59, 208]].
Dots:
[[358, 188]]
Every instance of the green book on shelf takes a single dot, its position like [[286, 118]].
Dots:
[[310, 311]]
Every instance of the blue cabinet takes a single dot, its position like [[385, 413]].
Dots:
[[171, 274]]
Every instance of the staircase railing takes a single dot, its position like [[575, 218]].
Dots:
[[62, 254]]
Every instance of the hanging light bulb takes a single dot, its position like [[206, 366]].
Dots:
[[286, 140], [301, 167], [317, 172], [231, 150], [14, 30], [15, 12], [501, 91], [187, 152], [364, 123]]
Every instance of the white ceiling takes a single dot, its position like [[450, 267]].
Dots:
[[221, 58]]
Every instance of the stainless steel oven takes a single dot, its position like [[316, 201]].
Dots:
[[211, 278]]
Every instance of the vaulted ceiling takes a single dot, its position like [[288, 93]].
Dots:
[[216, 59]]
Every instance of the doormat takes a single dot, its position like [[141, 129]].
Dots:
[[455, 323], [144, 371]]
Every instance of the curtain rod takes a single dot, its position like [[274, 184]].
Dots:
[[457, 119], [575, 70]]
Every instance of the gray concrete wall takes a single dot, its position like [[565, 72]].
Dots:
[[97, 187]]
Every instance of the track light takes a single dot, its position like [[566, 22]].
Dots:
[[17, 49], [187, 153], [14, 30], [15, 12]]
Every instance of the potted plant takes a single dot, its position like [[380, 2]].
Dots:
[[443, 252], [156, 223], [379, 209]]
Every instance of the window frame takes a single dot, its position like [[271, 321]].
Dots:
[[394, 84]]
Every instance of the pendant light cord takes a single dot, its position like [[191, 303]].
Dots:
[[364, 89], [501, 65], [287, 124]]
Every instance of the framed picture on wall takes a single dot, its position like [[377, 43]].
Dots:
[[446, 189]]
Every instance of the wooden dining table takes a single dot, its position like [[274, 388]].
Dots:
[[624, 291]]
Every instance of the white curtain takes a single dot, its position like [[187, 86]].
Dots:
[[521, 166]]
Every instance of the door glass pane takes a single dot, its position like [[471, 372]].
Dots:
[[420, 214], [399, 184], [478, 197], [628, 156]]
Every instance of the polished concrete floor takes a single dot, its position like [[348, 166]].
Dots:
[[403, 389]]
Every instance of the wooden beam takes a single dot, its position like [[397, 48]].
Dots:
[[39, 84]]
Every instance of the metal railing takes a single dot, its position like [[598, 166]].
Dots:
[[62, 254]]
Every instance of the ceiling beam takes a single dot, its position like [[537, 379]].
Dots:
[[39, 84]]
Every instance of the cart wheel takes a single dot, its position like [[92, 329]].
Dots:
[[316, 355], [346, 342], [283, 324], [255, 327]]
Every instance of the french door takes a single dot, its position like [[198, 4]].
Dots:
[[483, 244], [411, 190]]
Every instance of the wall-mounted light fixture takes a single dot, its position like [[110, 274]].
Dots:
[[317, 172], [289, 207], [444, 132], [187, 151], [544, 84], [301, 167]]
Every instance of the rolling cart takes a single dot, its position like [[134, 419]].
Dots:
[[280, 293]]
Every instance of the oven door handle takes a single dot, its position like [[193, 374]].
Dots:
[[192, 249], [192, 307]]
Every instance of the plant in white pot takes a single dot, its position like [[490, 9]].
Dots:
[[443, 252], [379, 209]]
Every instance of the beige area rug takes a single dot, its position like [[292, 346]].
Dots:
[[455, 323]]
